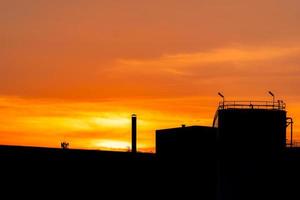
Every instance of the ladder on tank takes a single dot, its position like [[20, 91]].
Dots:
[[290, 122]]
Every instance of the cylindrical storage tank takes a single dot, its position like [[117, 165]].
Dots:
[[251, 132]]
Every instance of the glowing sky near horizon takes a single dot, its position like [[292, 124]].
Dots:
[[76, 70]]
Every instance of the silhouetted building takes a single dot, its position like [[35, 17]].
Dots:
[[237, 155], [188, 154], [243, 155], [186, 141]]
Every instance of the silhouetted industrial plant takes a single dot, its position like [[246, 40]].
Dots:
[[247, 153]]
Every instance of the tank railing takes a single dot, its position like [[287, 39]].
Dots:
[[276, 105]]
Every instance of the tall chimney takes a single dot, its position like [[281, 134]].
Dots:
[[133, 134]]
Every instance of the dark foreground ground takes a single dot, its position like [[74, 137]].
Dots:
[[101, 174], [84, 174]]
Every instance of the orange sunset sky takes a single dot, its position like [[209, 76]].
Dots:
[[76, 70]]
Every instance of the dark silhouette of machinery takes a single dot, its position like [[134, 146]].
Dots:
[[64, 145]]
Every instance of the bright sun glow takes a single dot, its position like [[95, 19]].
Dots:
[[112, 144]]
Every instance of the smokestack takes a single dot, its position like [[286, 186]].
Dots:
[[133, 134]]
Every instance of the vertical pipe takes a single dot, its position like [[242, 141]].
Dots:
[[291, 132], [133, 134]]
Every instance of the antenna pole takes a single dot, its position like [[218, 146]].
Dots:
[[223, 98], [272, 94]]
